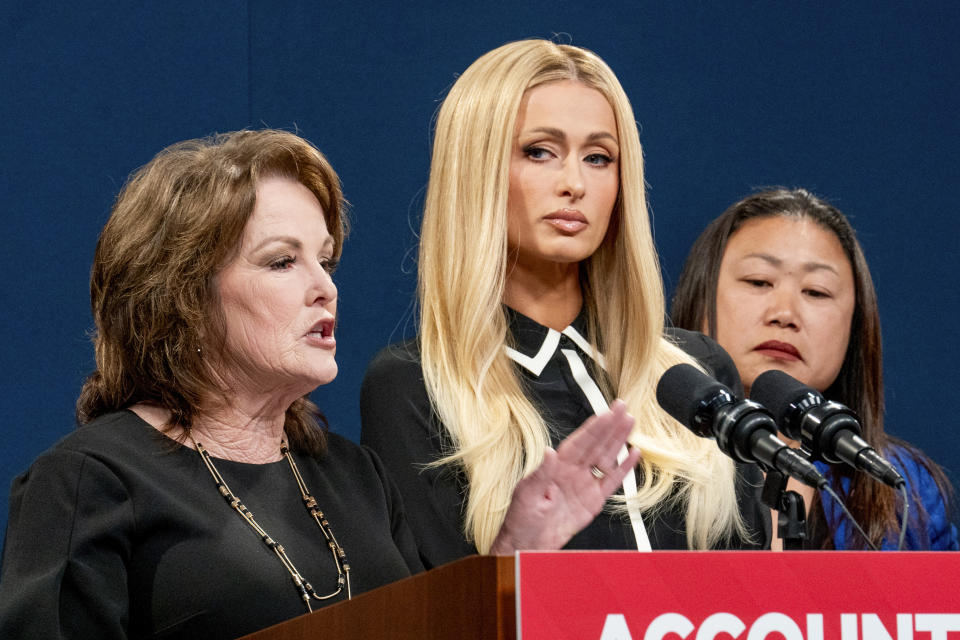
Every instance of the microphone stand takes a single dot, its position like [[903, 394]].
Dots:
[[792, 518]]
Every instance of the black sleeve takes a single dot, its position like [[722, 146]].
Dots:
[[399, 424], [66, 551], [399, 527], [749, 485], [756, 516], [711, 355]]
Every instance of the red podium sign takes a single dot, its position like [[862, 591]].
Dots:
[[724, 595]]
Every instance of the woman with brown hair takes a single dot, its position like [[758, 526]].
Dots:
[[780, 281], [215, 311]]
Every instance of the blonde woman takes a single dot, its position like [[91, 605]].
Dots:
[[540, 302]]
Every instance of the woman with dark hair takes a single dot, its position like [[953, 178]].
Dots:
[[215, 309], [780, 281]]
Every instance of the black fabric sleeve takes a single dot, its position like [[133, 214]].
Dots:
[[66, 551], [756, 516], [399, 527], [399, 424], [749, 483], [711, 355]]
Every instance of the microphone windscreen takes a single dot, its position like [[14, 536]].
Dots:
[[779, 393], [682, 391]]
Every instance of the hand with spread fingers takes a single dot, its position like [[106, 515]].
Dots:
[[570, 487]]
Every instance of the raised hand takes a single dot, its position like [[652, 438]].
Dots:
[[570, 487]]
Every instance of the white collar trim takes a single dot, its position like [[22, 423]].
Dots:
[[538, 363], [585, 346]]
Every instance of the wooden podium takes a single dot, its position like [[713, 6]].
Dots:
[[808, 595], [472, 598]]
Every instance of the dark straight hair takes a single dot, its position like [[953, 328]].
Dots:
[[859, 384]]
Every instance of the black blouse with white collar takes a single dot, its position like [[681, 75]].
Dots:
[[542, 357], [558, 369]]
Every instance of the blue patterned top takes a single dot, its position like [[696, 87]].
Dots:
[[940, 534]]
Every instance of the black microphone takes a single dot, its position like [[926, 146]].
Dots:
[[829, 430], [743, 429]]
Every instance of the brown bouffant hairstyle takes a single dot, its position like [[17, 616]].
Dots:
[[174, 226], [859, 384]]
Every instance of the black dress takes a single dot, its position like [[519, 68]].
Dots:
[[118, 532], [399, 423]]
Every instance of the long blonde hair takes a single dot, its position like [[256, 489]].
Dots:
[[496, 434]]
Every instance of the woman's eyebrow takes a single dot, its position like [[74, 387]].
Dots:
[[561, 135], [809, 266], [289, 240]]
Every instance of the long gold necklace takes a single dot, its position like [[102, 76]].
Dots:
[[339, 556]]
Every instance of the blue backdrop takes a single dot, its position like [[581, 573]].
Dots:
[[857, 101]]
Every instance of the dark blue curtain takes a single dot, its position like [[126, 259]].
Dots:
[[856, 101]]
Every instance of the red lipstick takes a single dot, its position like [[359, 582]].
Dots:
[[779, 350]]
